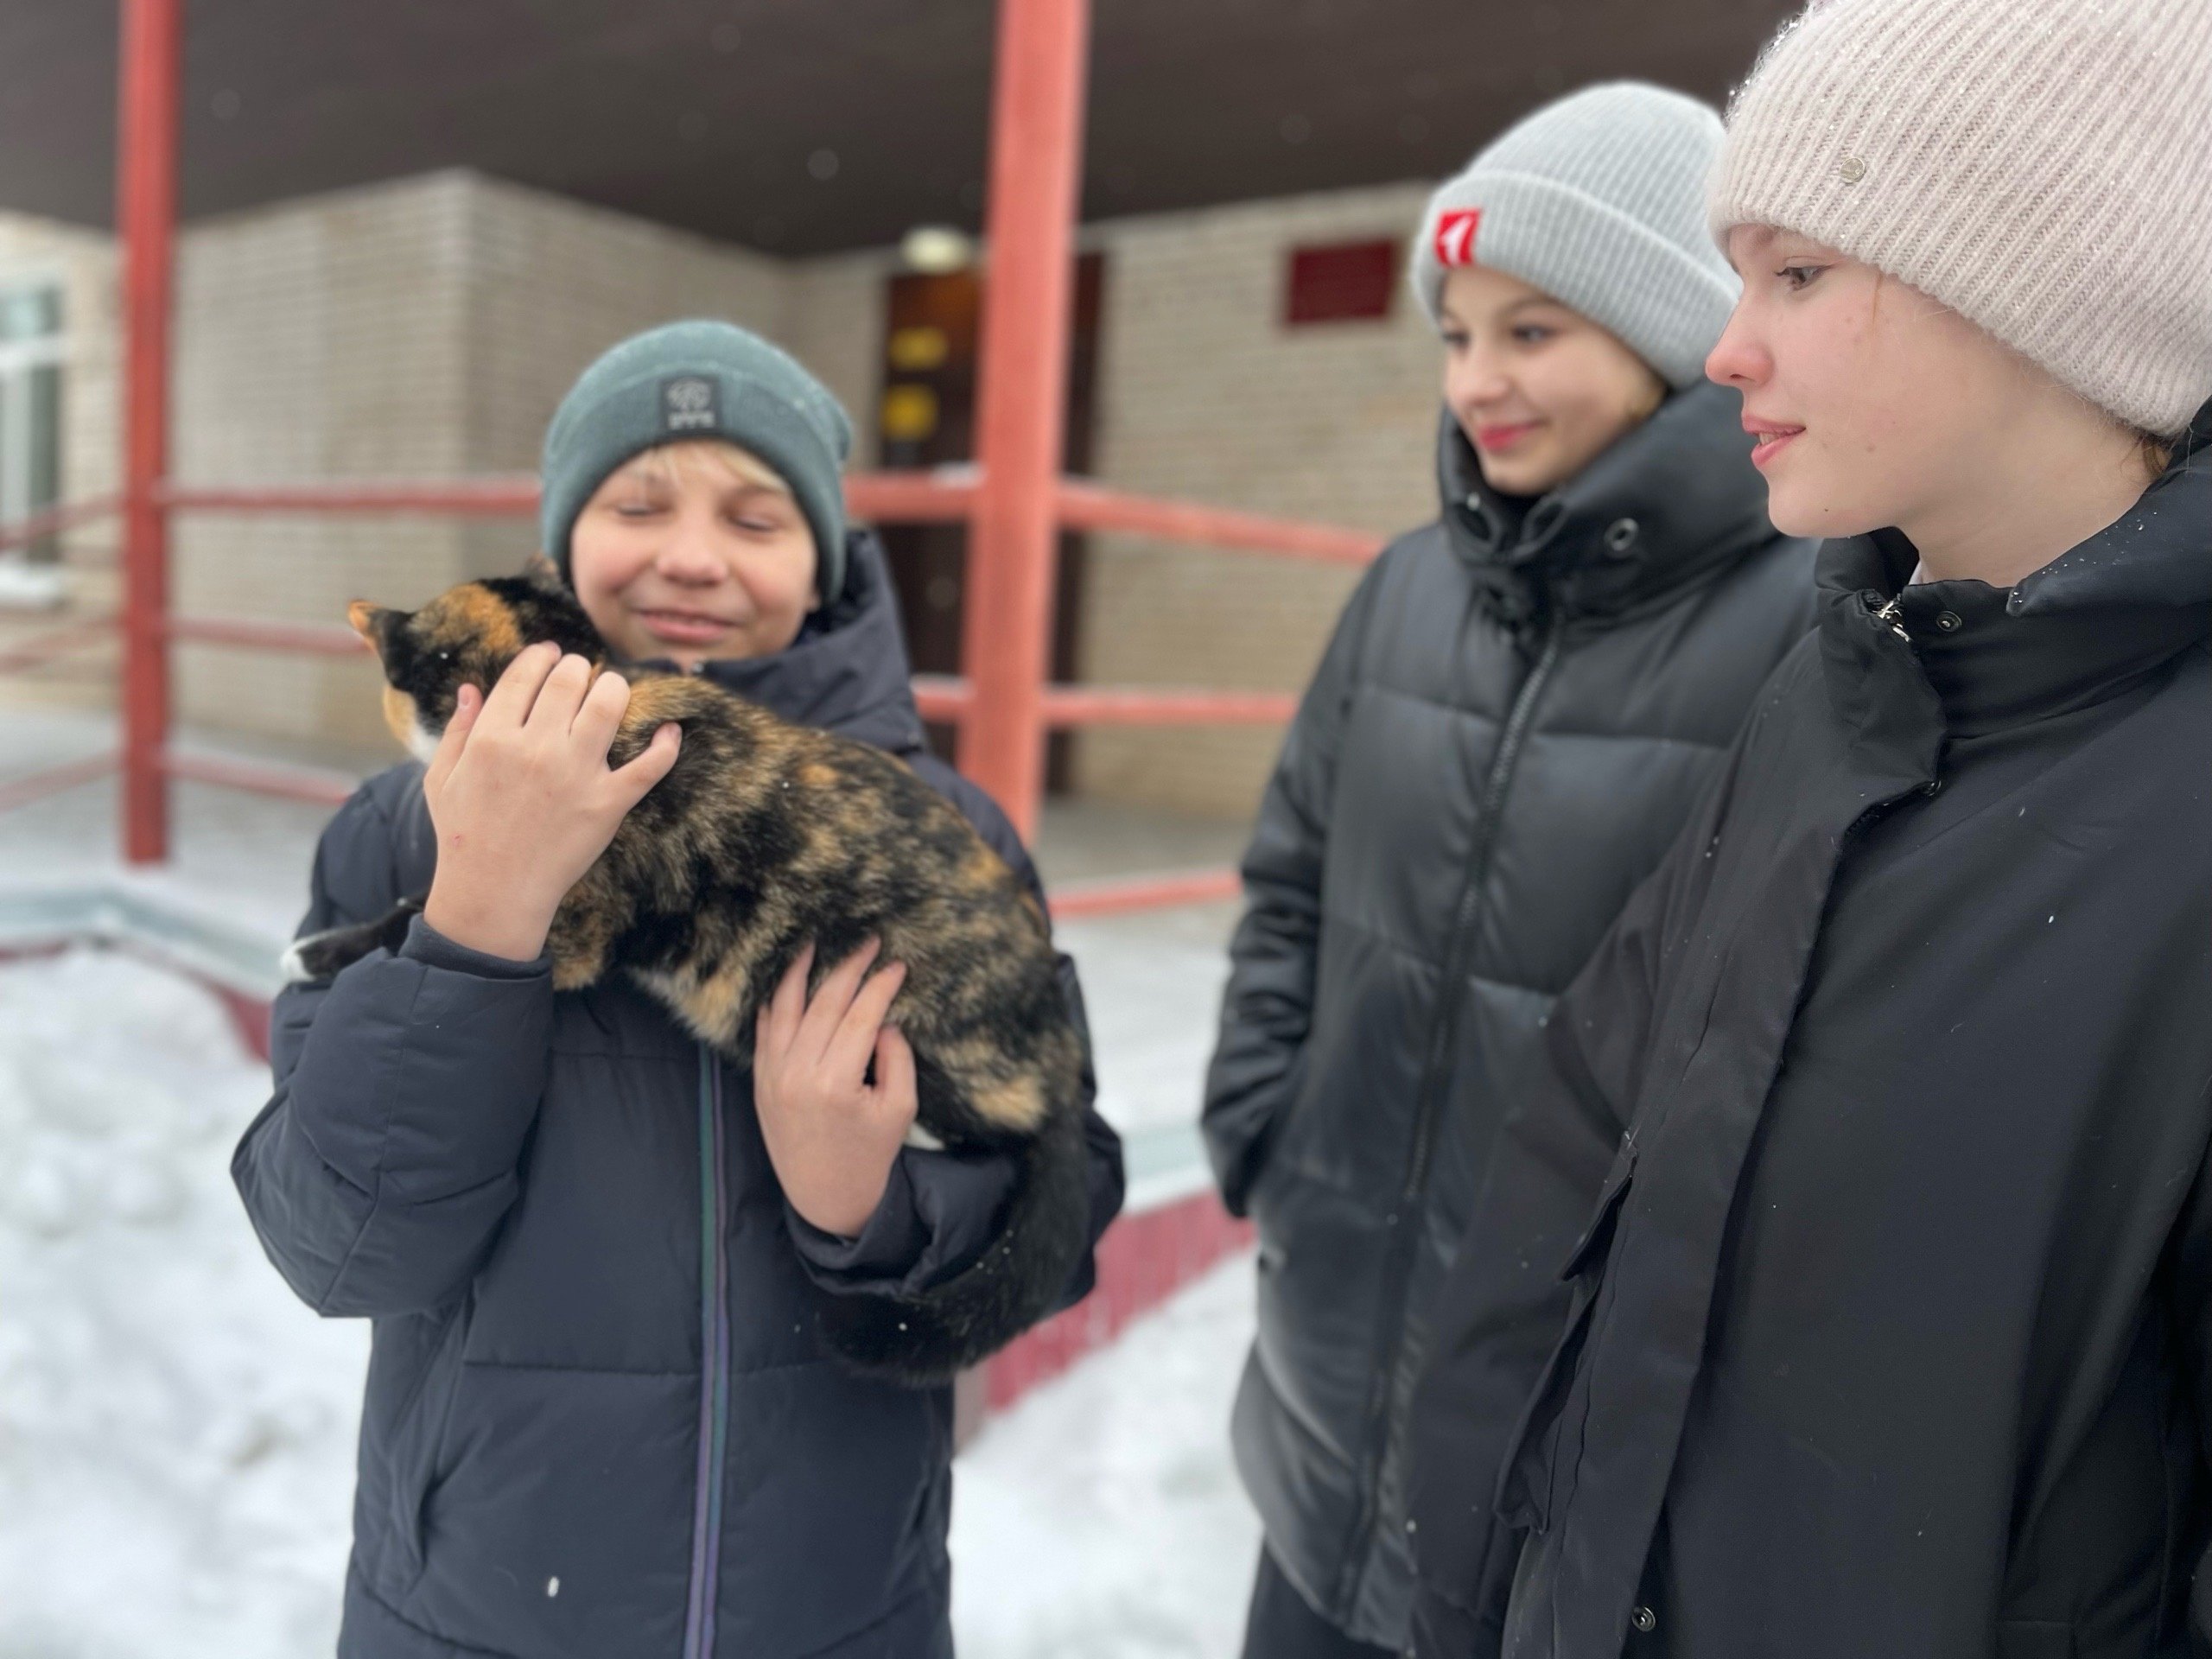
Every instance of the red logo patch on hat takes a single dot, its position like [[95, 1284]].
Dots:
[[1455, 236]]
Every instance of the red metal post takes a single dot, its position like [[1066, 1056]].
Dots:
[[1029, 232], [146, 212]]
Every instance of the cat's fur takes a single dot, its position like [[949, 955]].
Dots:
[[766, 835]]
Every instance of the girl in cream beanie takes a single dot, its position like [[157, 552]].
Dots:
[[2042, 166], [1841, 1286]]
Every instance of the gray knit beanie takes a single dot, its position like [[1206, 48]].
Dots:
[[700, 379], [1598, 200], [2042, 166]]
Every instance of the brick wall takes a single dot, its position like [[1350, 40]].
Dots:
[[82, 264], [427, 327], [316, 339], [1205, 395]]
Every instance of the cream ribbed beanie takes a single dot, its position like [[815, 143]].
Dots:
[[1597, 200], [2042, 166]]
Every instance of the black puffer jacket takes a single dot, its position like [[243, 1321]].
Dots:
[[1513, 718], [600, 1418], [1881, 1118]]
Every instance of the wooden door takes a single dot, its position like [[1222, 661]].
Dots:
[[926, 417]]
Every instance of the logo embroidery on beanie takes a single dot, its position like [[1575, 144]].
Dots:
[[690, 403], [1455, 236]]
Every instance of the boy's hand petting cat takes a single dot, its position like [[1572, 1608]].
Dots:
[[524, 801], [832, 1134]]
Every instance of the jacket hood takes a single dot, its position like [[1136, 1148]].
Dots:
[[1673, 501], [847, 672]]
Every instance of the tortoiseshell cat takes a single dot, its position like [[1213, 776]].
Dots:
[[766, 836]]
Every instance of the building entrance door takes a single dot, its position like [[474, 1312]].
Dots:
[[926, 417]]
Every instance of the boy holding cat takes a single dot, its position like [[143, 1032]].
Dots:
[[599, 1418]]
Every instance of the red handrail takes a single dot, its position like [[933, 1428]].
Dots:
[[52, 521], [37, 785], [316, 638], [1091, 506], [58, 642]]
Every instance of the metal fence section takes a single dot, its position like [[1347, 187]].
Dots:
[[1002, 705]]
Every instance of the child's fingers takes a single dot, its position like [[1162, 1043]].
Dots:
[[467, 704], [635, 779], [826, 1010], [561, 695], [600, 714], [516, 691], [780, 1017], [895, 1093], [855, 1040]]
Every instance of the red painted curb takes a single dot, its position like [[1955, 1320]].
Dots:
[[1146, 1256]]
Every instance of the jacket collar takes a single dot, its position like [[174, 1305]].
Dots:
[[2094, 622], [1674, 501], [847, 672]]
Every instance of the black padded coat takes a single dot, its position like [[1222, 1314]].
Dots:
[[1845, 1288], [1516, 713], [599, 1418]]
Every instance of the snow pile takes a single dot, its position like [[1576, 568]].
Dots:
[[176, 1432], [1100, 1518]]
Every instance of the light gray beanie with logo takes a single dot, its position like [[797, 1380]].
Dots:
[[2042, 166], [1598, 200]]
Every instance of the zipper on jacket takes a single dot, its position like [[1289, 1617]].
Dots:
[[713, 1368], [1429, 1105]]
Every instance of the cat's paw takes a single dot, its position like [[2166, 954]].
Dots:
[[314, 958]]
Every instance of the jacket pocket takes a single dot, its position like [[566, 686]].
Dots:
[[418, 1436], [1264, 1161], [1524, 1487]]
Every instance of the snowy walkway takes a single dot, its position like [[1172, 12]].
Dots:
[[176, 1432]]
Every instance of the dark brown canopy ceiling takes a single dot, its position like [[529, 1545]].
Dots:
[[805, 126]]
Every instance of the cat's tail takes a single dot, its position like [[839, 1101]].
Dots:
[[319, 956], [929, 1338]]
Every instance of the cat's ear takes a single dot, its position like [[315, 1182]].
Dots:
[[541, 572], [373, 622]]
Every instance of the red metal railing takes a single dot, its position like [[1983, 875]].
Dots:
[[1015, 502]]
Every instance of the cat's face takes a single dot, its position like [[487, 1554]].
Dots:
[[465, 636]]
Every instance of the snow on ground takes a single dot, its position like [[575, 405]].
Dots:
[[1100, 1518], [176, 1432]]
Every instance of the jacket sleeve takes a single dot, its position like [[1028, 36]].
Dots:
[[379, 1171], [1267, 1007], [942, 1211], [1502, 1310]]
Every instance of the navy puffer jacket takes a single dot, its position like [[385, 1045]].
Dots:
[[600, 1418], [1517, 712]]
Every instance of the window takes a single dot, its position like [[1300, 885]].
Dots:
[[1341, 283], [31, 350]]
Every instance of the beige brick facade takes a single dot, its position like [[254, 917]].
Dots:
[[1206, 396], [427, 329], [81, 264]]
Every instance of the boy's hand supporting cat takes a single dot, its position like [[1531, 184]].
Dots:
[[833, 1135], [522, 800]]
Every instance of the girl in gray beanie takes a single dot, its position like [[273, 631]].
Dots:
[[1519, 706], [1845, 1284]]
